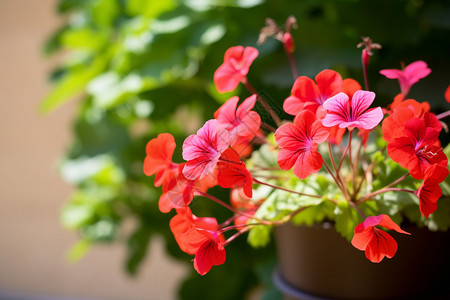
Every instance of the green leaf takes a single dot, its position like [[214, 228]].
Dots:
[[75, 216], [78, 251], [72, 83], [137, 248], [347, 218], [315, 214], [440, 219], [147, 8], [259, 236]]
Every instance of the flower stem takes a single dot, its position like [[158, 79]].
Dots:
[[237, 234], [293, 65], [261, 100], [338, 181], [367, 197], [345, 150], [443, 115], [267, 126], [218, 201], [286, 190]]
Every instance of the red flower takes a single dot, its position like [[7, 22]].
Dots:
[[200, 236], [402, 112], [202, 151], [233, 173], [417, 150], [211, 252], [409, 76], [179, 191], [183, 222], [375, 242], [299, 142], [430, 192], [240, 122], [159, 158], [306, 94], [350, 114], [447, 94], [239, 200], [235, 67]]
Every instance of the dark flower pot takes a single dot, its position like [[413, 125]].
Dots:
[[317, 263]]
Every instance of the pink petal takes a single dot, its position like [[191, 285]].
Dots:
[[392, 73], [226, 78], [361, 101], [370, 119], [246, 106], [416, 71], [226, 114]]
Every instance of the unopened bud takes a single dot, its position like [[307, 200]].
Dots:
[[288, 43], [365, 57]]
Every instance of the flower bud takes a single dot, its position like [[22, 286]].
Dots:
[[288, 43]]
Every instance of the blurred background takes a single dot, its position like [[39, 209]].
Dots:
[[85, 84]]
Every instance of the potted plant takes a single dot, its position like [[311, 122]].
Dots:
[[343, 168]]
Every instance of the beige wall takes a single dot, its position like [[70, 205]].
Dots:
[[32, 242]]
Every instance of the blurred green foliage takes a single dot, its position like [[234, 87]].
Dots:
[[142, 67]]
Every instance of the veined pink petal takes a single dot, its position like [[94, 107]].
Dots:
[[370, 119], [341, 113], [361, 101], [202, 151], [226, 114]]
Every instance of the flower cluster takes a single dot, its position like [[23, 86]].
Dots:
[[363, 176]]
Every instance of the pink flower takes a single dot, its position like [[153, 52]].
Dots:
[[202, 150], [240, 122], [298, 143], [235, 67], [352, 114], [375, 242], [430, 192], [410, 75]]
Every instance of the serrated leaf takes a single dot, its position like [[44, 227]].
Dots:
[[315, 214]]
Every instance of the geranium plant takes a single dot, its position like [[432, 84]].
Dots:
[[365, 168]]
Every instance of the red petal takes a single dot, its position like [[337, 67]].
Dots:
[[159, 153], [381, 245]]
